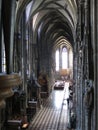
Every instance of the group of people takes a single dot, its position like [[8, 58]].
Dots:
[[70, 96]]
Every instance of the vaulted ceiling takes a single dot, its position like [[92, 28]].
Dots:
[[53, 21]]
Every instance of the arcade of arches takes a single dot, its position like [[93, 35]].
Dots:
[[42, 41]]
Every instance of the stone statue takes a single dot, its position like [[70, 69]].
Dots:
[[89, 95]]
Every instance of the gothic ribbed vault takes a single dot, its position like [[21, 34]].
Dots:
[[51, 20]]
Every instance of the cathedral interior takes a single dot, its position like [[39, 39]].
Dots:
[[47, 46]]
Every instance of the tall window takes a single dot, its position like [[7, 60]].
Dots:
[[57, 60], [64, 58]]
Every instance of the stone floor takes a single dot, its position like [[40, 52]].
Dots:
[[54, 114]]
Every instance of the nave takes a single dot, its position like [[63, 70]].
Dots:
[[54, 114]]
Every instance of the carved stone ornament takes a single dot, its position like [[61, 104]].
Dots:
[[7, 81], [89, 97]]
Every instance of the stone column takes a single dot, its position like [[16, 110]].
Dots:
[[8, 80], [23, 49], [78, 81], [88, 100], [8, 13], [88, 120], [86, 32], [95, 43]]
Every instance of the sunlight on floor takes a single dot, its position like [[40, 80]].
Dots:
[[58, 99], [54, 114]]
